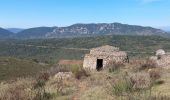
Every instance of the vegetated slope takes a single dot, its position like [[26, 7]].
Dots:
[[52, 50], [80, 30], [11, 68], [5, 33]]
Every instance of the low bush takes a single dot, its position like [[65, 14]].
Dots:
[[131, 87], [114, 66], [148, 65], [81, 73], [122, 87], [39, 87], [154, 74], [21, 89], [140, 80]]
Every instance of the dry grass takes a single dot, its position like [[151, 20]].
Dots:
[[124, 85], [140, 65], [19, 90]]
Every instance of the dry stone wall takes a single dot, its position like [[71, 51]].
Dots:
[[106, 53]]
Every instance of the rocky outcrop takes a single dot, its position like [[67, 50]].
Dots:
[[161, 58]]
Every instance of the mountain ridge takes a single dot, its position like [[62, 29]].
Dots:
[[36, 32], [77, 30], [92, 29]]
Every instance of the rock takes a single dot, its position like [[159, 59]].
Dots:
[[153, 58], [63, 75], [160, 52]]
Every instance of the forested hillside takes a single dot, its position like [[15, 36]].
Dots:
[[51, 50]]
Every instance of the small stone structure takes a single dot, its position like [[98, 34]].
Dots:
[[101, 56], [162, 59]]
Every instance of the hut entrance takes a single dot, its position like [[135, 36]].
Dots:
[[99, 64]]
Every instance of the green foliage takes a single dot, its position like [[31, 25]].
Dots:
[[50, 51], [11, 68]]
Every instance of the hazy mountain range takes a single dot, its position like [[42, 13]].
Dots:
[[5, 33], [165, 28], [79, 30], [15, 30]]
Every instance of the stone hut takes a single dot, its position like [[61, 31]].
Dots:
[[101, 56], [161, 58]]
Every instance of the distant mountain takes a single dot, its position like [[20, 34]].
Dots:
[[77, 30], [5, 33], [15, 30], [38, 32], [104, 29], [166, 28]]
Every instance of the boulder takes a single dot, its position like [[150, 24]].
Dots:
[[63, 75]]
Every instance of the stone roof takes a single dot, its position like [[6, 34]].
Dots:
[[107, 51], [105, 48]]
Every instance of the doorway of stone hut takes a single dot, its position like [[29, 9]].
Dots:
[[99, 65]]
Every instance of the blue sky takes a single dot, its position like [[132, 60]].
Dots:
[[34, 13]]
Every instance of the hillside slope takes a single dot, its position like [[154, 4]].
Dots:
[[52, 50]]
